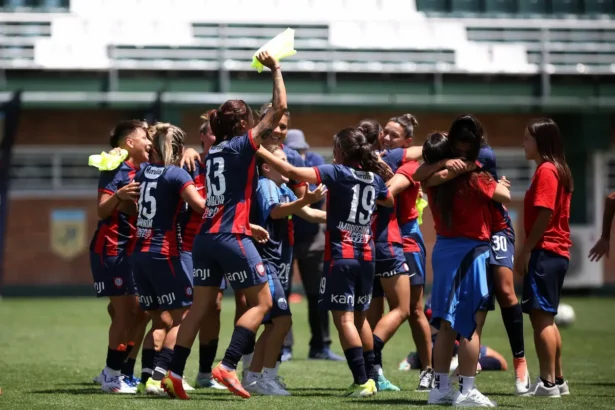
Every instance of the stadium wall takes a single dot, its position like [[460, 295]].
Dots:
[[36, 258]]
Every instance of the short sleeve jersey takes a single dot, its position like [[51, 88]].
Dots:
[[115, 234], [546, 191], [231, 178], [351, 201], [160, 206]]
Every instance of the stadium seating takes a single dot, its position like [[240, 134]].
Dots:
[[332, 35]]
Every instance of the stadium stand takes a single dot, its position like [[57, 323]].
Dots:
[[524, 36]]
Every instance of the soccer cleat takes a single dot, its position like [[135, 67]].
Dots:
[[174, 386], [187, 387], [473, 398], [447, 397], [522, 377], [154, 387], [287, 354], [563, 388], [258, 386], [277, 387], [325, 354], [364, 390], [230, 380], [114, 383], [132, 381], [205, 381], [141, 388], [99, 379], [386, 385], [426, 380], [539, 389]]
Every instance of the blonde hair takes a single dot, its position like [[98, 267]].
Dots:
[[168, 142]]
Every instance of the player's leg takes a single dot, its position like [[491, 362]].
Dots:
[[209, 333], [503, 251], [421, 332], [140, 320], [373, 316], [562, 383]]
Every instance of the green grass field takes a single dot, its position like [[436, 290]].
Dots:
[[51, 348]]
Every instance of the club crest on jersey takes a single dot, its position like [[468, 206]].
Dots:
[[260, 268], [118, 282], [188, 291], [152, 172], [282, 304]]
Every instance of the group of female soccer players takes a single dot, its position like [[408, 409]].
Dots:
[[177, 236]]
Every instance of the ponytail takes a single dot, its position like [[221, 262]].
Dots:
[[368, 160], [168, 142], [225, 121]]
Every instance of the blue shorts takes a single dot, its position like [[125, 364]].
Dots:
[[284, 271], [346, 285], [390, 261], [186, 258], [280, 303], [415, 260], [460, 285], [163, 282], [543, 283], [502, 250], [112, 275], [234, 256]]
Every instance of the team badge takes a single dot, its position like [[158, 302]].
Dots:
[[282, 304], [260, 268], [188, 291], [118, 282]]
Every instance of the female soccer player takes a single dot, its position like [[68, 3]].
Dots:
[[112, 244], [460, 210], [398, 133], [502, 244], [354, 185], [543, 258], [224, 246], [391, 277], [275, 204], [163, 281]]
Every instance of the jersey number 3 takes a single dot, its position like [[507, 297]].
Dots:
[[147, 202], [366, 198], [216, 184]]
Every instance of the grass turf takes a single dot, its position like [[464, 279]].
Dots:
[[51, 348]]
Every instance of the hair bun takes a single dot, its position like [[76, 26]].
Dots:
[[412, 119]]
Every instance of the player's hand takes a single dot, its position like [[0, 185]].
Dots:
[[129, 192], [504, 182], [420, 196], [259, 234], [116, 151], [316, 195], [522, 260], [600, 249], [189, 159], [456, 165], [267, 59]]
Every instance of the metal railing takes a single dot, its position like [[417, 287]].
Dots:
[[63, 171]]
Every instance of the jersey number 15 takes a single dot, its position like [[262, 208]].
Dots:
[[147, 202]]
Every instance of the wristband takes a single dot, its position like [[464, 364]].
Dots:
[[277, 67]]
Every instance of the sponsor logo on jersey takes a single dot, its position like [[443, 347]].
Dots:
[[152, 172]]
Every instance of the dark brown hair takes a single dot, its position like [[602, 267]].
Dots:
[[371, 129], [225, 121], [356, 150], [467, 128], [550, 146], [408, 122], [124, 129]]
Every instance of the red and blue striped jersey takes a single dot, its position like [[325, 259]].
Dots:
[[384, 225], [231, 180], [278, 249], [115, 234], [160, 206], [351, 201], [190, 221]]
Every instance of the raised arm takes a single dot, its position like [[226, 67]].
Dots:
[[292, 208], [279, 105], [305, 174]]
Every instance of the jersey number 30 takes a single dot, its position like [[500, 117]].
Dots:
[[216, 184], [366, 198], [147, 202]]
